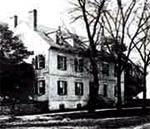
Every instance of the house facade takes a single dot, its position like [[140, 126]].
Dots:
[[63, 79], [68, 81]]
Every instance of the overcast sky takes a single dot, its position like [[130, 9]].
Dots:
[[51, 13]]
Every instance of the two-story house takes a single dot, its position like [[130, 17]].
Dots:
[[62, 76], [70, 82]]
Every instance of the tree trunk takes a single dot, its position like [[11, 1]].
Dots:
[[144, 88], [119, 101], [95, 86]]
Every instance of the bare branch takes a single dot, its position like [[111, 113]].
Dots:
[[129, 10], [109, 25], [98, 17], [77, 18]]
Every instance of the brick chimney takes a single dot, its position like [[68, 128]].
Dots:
[[15, 21], [35, 19]]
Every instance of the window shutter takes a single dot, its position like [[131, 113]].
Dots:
[[107, 69], [115, 90], [65, 88], [81, 65], [81, 88], [36, 62], [58, 62], [115, 70], [76, 92], [33, 61], [36, 87], [43, 87], [105, 90], [57, 39], [65, 63], [41, 61], [76, 64], [58, 87]]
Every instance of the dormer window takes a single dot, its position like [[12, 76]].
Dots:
[[59, 37], [39, 62]]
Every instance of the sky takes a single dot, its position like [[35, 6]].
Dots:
[[49, 11]]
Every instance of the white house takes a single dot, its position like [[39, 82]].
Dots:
[[62, 78], [70, 81]]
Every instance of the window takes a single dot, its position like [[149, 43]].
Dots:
[[78, 88], [39, 62], [61, 106], [115, 70], [79, 106], [91, 89], [115, 90], [61, 62], [40, 88], [62, 87], [78, 65], [59, 37], [105, 90], [105, 69]]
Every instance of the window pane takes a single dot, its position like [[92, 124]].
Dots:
[[36, 88], [78, 88], [105, 90], [105, 69], [62, 87], [61, 62], [115, 90], [36, 62], [40, 90], [78, 65], [115, 70], [39, 62], [81, 65]]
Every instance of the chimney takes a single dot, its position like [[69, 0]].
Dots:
[[35, 19], [15, 21]]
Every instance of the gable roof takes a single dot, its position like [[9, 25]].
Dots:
[[45, 33]]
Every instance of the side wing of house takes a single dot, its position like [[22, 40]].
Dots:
[[36, 41], [108, 81], [133, 81]]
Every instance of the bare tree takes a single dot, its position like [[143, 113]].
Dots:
[[143, 47], [90, 12], [117, 27], [124, 24]]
